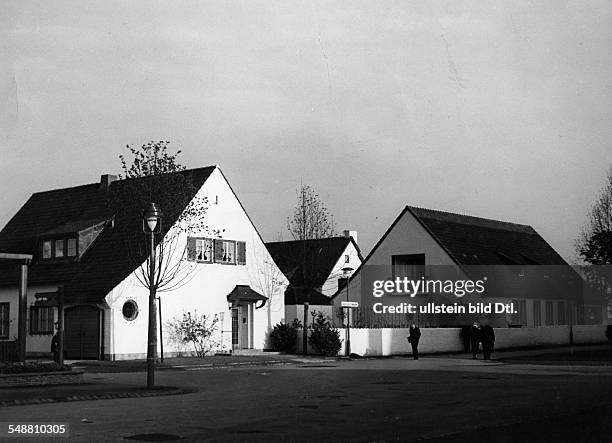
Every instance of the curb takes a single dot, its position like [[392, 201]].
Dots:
[[109, 396]]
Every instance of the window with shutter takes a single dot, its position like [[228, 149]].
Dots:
[[218, 251], [204, 250], [191, 248], [42, 320], [241, 253]]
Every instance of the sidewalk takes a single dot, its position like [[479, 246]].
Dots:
[[85, 391]]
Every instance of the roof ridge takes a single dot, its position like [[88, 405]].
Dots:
[[474, 218], [310, 239], [119, 179]]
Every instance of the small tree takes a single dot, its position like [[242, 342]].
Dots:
[[196, 330], [323, 338], [594, 243], [311, 221]]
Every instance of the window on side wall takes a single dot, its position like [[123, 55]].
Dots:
[[4, 320], [229, 252], [561, 313], [71, 250], [537, 313], [225, 251], [203, 250], [46, 250], [59, 248], [42, 320], [410, 265], [548, 320]]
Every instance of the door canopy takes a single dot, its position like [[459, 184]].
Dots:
[[244, 293]]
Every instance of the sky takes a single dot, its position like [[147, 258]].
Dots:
[[494, 109]]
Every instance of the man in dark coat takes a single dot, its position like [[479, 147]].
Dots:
[[488, 339], [475, 337], [55, 345], [465, 338], [413, 339]]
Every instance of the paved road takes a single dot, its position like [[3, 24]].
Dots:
[[444, 399]]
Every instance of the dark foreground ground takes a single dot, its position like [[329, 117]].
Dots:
[[433, 399]]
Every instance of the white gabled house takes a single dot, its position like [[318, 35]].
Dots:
[[321, 262], [77, 244]]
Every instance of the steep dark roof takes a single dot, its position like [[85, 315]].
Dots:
[[480, 241], [105, 264], [321, 256]]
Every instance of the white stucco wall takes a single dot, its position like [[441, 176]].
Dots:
[[208, 285], [331, 284]]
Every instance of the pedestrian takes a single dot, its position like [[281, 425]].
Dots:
[[488, 340], [55, 347], [475, 337], [465, 338], [413, 339]]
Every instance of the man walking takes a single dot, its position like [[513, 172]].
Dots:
[[475, 337], [413, 339], [488, 339]]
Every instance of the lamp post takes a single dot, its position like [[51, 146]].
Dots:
[[347, 273], [151, 224]]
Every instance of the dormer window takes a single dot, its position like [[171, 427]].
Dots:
[[46, 249], [59, 248]]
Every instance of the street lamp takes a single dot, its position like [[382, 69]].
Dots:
[[151, 225], [347, 273]]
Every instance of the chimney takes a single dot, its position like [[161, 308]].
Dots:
[[353, 234], [106, 180]]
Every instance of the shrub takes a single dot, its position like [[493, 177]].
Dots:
[[323, 338], [284, 336], [196, 330]]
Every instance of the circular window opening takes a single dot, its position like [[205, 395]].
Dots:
[[130, 310]]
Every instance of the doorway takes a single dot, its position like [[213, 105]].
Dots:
[[82, 333]]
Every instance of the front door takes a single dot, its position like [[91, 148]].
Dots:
[[82, 333], [242, 326]]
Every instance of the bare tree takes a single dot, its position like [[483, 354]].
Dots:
[[311, 220], [269, 280], [154, 175]]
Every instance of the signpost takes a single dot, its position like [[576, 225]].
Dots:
[[349, 304]]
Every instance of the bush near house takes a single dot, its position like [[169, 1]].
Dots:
[[323, 338], [196, 330], [32, 366], [284, 336]]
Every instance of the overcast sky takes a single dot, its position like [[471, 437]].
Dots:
[[494, 109]]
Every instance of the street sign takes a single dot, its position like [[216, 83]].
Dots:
[[349, 304]]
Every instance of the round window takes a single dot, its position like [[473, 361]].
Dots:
[[130, 310]]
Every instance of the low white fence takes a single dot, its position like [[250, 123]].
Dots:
[[387, 341]]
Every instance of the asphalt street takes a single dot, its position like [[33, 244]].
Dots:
[[440, 399]]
